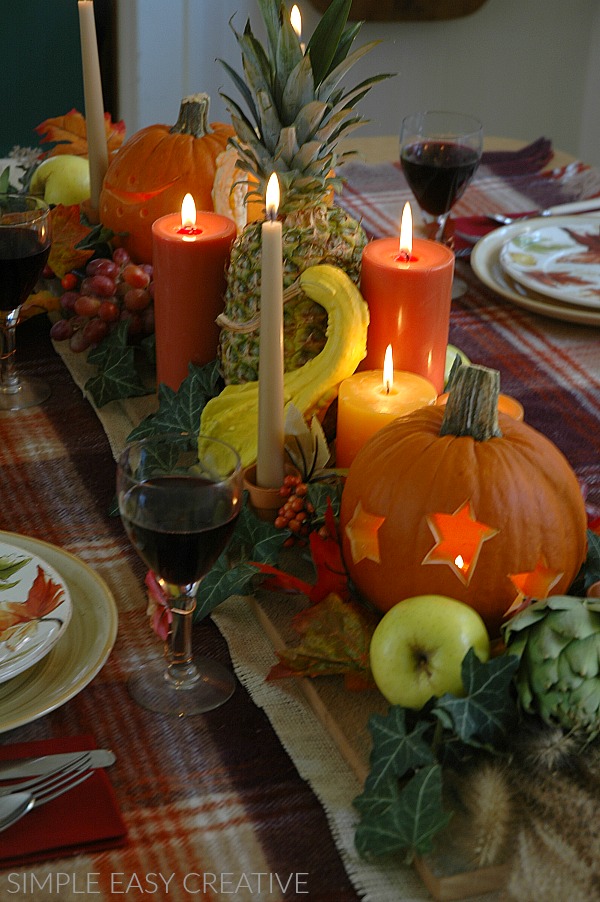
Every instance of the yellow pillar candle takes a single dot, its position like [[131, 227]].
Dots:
[[368, 401]]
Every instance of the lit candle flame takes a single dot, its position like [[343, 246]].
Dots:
[[388, 369], [460, 562], [272, 197], [296, 20], [406, 233], [188, 211]]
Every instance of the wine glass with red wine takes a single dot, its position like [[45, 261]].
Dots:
[[24, 250], [439, 153], [179, 498]]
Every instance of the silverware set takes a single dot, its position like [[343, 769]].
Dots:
[[53, 775]]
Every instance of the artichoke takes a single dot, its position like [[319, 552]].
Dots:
[[558, 643]]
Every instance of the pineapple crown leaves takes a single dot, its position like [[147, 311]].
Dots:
[[293, 110]]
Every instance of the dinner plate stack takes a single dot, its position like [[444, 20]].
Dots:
[[58, 624], [550, 266]]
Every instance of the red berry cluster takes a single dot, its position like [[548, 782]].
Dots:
[[296, 512], [111, 290]]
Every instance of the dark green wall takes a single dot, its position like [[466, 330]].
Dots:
[[40, 67]]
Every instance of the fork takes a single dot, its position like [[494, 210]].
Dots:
[[16, 803], [41, 780]]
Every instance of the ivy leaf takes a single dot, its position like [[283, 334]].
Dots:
[[484, 716], [252, 537], [118, 377], [336, 638], [323, 495], [592, 561], [220, 583], [257, 539], [180, 411], [396, 752], [411, 819]]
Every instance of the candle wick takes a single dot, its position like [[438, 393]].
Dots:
[[272, 214], [403, 256], [387, 386]]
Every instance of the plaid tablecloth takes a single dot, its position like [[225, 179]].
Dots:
[[254, 796]]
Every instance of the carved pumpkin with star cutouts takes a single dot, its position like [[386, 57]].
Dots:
[[466, 503]]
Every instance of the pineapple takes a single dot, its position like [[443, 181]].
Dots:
[[296, 114]]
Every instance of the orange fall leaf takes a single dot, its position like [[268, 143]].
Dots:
[[70, 133], [67, 231]]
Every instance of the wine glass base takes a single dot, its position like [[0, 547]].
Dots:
[[30, 393], [150, 689]]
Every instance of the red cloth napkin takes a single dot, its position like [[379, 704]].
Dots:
[[531, 158], [86, 819]]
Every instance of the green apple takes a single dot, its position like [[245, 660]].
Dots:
[[64, 179], [419, 645]]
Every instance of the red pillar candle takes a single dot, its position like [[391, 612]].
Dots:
[[190, 257], [408, 293]]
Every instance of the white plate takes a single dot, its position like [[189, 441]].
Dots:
[[78, 656], [485, 260], [561, 262], [35, 609]]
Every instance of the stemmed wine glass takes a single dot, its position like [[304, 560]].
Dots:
[[179, 499], [439, 153], [24, 249]]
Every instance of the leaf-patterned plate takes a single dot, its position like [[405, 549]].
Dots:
[[35, 609], [560, 261]]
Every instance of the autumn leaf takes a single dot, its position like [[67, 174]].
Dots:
[[329, 565], [43, 301], [11, 612], [331, 575], [44, 596], [69, 133], [67, 232], [336, 636]]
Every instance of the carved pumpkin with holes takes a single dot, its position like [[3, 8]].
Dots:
[[469, 503], [155, 169]]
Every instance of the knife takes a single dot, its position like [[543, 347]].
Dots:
[[30, 767]]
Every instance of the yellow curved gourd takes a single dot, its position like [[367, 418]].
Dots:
[[233, 415]]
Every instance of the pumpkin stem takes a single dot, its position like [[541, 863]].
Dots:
[[193, 116], [472, 406]]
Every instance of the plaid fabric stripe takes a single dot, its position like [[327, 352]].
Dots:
[[220, 794], [212, 795]]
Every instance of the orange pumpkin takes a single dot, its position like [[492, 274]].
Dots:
[[445, 503], [155, 169]]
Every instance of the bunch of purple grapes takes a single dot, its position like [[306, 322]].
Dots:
[[111, 290]]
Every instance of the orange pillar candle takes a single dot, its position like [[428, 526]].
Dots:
[[368, 401], [408, 288], [190, 254]]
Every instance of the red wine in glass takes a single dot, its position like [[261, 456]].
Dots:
[[22, 260], [438, 173], [179, 498], [439, 153], [24, 249], [199, 525]]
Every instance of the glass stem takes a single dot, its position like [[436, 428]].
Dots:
[[441, 226], [9, 380], [181, 672]]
